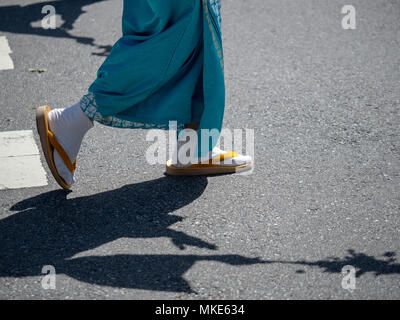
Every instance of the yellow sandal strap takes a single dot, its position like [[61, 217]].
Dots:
[[53, 141], [223, 157]]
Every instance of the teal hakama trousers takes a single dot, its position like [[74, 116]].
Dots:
[[167, 66]]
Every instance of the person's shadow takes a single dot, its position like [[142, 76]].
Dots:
[[50, 229], [19, 19]]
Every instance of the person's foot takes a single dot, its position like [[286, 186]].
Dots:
[[235, 160], [217, 162], [69, 126]]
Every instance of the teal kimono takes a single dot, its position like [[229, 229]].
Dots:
[[167, 66]]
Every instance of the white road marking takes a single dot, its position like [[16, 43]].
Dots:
[[6, 62], [20, 165]]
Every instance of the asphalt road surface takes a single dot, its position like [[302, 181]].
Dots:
[[325, 193]]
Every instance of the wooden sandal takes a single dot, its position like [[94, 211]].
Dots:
[[212, 166], [49, 144]]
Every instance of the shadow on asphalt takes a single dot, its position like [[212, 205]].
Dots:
[[363, 263], [50, 229], [19, 19]]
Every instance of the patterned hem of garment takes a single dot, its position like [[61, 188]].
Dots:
[[216, 5], [89, 107]]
